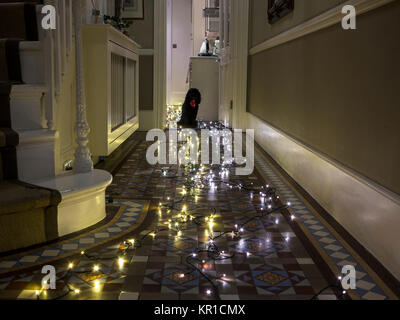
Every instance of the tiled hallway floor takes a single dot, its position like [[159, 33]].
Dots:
[[269, 261]]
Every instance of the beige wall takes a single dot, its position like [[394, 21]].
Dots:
[[146, 82], [337, 91], [260, 30], [142, 31]]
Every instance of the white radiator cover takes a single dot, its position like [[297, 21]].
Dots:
[[111, 63]]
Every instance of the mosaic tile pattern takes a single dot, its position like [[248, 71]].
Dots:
[[105, 284], [22, 285], [366, 287], [43, 255], [270, 262]]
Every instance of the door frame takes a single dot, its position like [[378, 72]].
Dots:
[[160, 63]]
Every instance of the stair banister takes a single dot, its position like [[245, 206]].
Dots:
[[50, 74], [83, 162]]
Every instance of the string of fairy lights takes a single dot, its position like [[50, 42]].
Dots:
[[181, 217]]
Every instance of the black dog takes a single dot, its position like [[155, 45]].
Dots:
[[190, 109]]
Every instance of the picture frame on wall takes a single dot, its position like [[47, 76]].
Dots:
[[133, 9], [277, 9]]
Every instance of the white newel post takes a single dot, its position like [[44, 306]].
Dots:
[[83, 162]]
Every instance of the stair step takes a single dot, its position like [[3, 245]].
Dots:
[[27, 107], [36, 150], [32, 62], [10, 70], [5, 116], [28, 215], [8, 138], [83, 196], [8, 163], [39, 17], [18, 20]]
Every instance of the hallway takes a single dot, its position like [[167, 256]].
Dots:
[[100, 98], [156, 243]]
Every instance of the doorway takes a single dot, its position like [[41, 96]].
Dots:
[[179, 49]]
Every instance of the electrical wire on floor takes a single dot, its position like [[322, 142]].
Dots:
[[196, 179]]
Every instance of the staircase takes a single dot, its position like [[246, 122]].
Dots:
[[36, 66], [28, 214]]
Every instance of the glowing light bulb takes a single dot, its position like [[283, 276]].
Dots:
[[77, 291], [70, 266], [121, 263], [97, 285], [208, 292], [96, 268], [82, 253], [37, 292]]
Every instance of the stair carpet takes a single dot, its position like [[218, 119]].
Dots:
[[28, 214], [18, 22]]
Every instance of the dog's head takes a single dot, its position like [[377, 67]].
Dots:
[[193, 94]]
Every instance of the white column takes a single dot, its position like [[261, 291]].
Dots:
[[160, 61], [239, 52], [83, 161]]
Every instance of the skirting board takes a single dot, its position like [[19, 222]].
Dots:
[[368, 212]]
